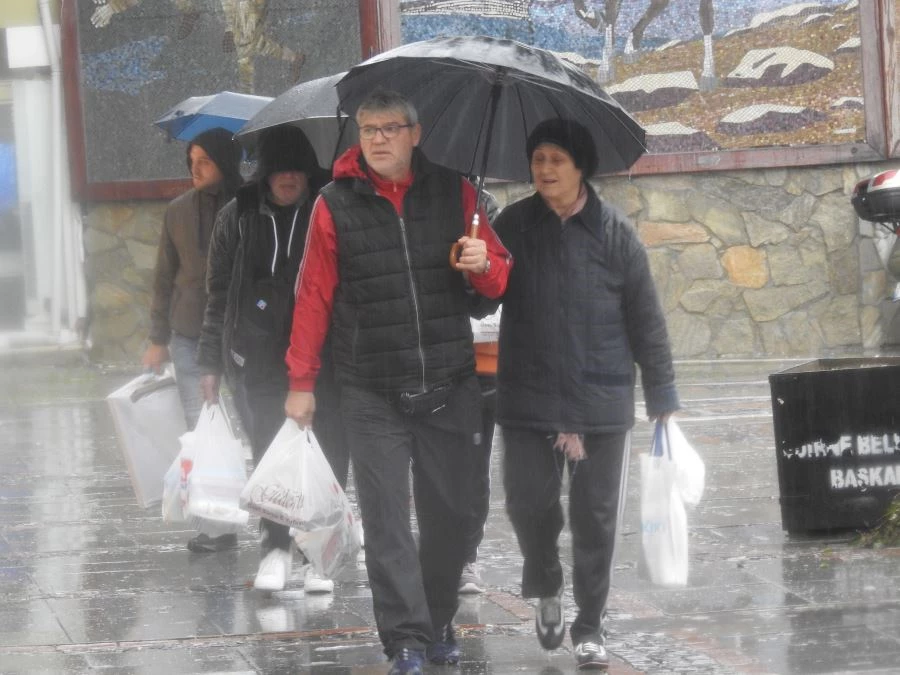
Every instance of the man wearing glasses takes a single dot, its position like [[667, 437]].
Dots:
[[376, 274]]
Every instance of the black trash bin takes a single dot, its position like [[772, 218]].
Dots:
[[837, 439]]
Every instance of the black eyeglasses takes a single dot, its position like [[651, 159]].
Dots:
[[389, 131]]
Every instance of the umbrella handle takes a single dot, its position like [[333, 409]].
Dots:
[[456, 249]]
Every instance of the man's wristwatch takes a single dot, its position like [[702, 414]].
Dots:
[[487, 266]]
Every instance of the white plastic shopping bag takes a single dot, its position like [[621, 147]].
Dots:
[[203, 484], [294, 485], [690, 472], [275, 488], [672, 474], [149, 420], [216, 475], [332, 550], [174, 497]]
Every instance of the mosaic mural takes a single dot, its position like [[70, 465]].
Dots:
[[138, 58], [698, 74]]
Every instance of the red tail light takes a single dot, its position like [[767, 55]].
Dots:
[[891, 177]]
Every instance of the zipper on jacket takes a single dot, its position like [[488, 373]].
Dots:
[[237, 281], [275, 233], [415, 299], [290, 238]]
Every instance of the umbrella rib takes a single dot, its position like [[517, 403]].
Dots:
[[523, 118], [450, 100], [614, 111]]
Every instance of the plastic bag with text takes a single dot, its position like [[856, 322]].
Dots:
[[672, 474], [294, 485]]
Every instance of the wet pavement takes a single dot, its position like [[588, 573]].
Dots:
[[90, 582]]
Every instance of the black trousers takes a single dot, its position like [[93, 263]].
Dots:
[[414, 592], [532, 476], [481, 501], [260, 404]]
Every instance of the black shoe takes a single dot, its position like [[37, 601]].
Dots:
[[591, 655], [549, 621], [444, 651], [203, 543], [407, 662]]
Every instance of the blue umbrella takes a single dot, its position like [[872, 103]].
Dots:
[[197, 114]]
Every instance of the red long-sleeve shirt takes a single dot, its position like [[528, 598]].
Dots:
[[318, 275]]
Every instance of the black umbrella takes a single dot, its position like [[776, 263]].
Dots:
[[478, 98], [313, 107]]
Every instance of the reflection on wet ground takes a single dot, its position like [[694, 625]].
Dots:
[[90, 582]]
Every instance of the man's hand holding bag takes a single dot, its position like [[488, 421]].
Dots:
[[294, 485]]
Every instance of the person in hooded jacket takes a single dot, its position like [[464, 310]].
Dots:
[[179, 293], [254, 259], [579, 312]]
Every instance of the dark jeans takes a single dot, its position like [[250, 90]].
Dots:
[[481, 500], [260, 403], [414, 592], [532, 476]]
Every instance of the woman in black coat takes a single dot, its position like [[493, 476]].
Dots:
[[580, 312]]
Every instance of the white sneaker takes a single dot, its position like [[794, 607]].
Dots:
[[470, 582], [316, 583], [273, 571]]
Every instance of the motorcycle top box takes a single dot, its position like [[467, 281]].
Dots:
[[877, 199]]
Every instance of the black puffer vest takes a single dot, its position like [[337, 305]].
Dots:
[[400, 320]]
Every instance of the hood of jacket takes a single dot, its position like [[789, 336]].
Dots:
[[352, 165]]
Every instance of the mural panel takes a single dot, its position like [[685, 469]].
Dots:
[[138, 58], [698, 74]]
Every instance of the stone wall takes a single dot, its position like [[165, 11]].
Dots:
[[747, 263], [120, 243]]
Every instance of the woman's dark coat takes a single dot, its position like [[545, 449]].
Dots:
[[579, 312]]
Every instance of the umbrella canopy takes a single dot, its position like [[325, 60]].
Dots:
[[479, 97], [313, 107], [197, 114]]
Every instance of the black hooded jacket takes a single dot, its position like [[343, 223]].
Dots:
[[251, 271]]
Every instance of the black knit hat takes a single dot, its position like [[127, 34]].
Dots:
[[285, 148], [224, 151], [571, 137]]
